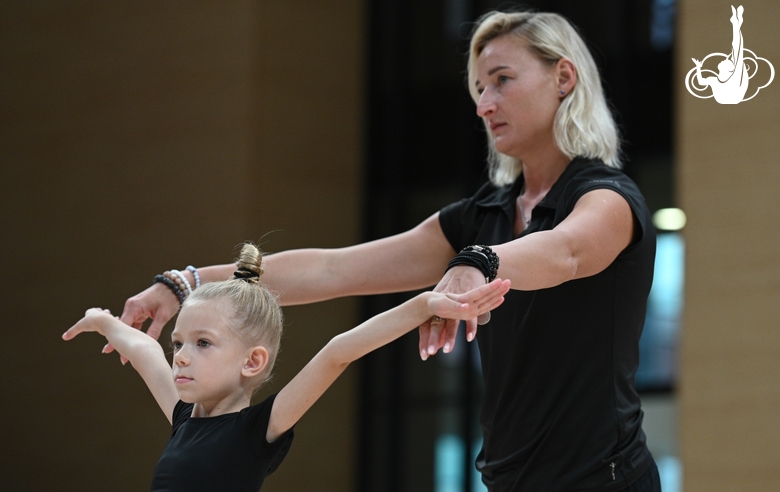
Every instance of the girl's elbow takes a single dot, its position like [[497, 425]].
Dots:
[[335, 353], [144, 351]]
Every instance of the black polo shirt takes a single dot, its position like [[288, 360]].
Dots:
[[561, 411]]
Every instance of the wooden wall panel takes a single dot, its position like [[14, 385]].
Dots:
[[137, 137], [729, 184]]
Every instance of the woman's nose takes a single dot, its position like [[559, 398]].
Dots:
[[485, 104]]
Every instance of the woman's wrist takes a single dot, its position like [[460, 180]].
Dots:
[[480, 257], [181, 283]]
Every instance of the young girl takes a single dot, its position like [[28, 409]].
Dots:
[[224, 346]]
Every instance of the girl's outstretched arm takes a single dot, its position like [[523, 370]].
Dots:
[[307, 387], [140, 349]]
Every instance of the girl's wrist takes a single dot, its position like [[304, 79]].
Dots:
[[427, 298]]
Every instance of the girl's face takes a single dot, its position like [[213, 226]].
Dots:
[[518, 96], [207, 355]]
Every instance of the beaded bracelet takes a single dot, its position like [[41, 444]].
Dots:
[[478, 256], [184, 281], [195, 274], [171, 285], [177, 281]]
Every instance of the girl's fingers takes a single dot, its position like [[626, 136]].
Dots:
[[479, 298], [72, 332]]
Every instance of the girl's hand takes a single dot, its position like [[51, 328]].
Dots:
[[449, 308], [469, 304], [93, 320], [441, 332]]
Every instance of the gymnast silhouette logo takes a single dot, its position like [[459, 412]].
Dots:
[[735, 70]]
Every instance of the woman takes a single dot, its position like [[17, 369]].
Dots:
[[569, 230]]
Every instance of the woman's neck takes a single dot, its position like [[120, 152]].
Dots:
[[541, 172]]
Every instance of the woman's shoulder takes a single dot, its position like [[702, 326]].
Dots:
[[593, 173]]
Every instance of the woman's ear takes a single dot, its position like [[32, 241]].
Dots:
[[256, 360], [566, 73]]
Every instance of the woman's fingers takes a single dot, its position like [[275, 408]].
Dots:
[[436, 336], [449, 335], [425, 332]]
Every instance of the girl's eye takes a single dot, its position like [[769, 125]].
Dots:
[[501, 79], [203, 343], [175, 345], [480, 90]]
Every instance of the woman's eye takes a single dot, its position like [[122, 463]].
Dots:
[[203, 343], [501, 79]]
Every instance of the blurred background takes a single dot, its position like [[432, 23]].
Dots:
[[137, 137]]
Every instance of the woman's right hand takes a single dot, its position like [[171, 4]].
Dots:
[[440, 333], [157, 303]]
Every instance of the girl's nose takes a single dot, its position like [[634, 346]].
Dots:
[[180, 358]]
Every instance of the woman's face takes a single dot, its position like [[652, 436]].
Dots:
[[518, 96]]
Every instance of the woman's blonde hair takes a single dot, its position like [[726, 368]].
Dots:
[[252, 311], [583, 125]]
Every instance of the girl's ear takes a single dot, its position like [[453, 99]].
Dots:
[[256, 360]]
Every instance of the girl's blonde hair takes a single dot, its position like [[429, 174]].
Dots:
[[583, 125], [251, 309]]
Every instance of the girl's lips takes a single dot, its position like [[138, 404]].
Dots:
[[182, 380]]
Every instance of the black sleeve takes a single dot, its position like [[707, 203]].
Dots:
[[452, 219], [608, 178], [256, 419], [181, 412], [461, 221]]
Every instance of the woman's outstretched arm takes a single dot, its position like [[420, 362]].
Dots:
[[307, 387], [143, 352], [411, 260]]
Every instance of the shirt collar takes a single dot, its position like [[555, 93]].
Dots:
[[506, 196]]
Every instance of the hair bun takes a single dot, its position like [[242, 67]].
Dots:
[[249, 264]]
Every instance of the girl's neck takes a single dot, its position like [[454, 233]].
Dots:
[[229, 404]]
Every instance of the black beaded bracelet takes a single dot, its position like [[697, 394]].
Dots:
[[478, 256], [171, 285]]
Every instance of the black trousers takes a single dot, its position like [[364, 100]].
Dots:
[[650, 481]]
